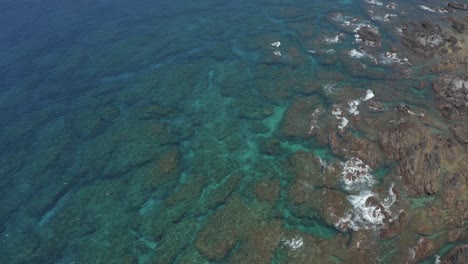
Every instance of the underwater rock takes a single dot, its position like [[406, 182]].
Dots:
[[270, 146], [423, 37], [267, 190], [259, 245], [254, 113], [296, 120], [259, 128], [457, 255], [451, 96]]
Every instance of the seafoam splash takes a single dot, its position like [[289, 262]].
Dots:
[[336, 111], [353, 105], [335, 39], [392, 57], [294, 243], [367, 212], [359, 54], [352, 108], [374, 2], [356, 175]]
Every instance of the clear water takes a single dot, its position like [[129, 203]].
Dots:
[[139, 131]]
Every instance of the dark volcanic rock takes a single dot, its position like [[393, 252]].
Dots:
[[458, 255], [370, 36], [423, 37], [457, 5], [451, 96]]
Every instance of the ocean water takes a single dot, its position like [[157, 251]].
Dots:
[[182, 131]]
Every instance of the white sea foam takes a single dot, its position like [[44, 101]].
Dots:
[[391, 6], [369, 95], [367, 212], [353, 105], [335, 39], [275, 44], [390, 199], [392, 57], [384, 18], [356, 175], [294, 243], [330, 88], [336, 111], [366, 215], [374, 2], [356, 54], [438, 10], [277, 53]]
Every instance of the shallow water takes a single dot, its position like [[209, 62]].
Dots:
[[161, 132]]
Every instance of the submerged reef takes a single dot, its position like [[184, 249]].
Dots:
[[214, 133]]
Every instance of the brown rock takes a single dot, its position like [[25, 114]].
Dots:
[[394, 227], [457, 255], [421, 250], [453, 235], [419, 166]]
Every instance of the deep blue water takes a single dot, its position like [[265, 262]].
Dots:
[[157, 131]]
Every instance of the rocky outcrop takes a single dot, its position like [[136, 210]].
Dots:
[[460, 131], [460, 24], [451, 96], [370, 36], [457, 255], [423, 37], [457, 5], [421, 250], [419, 165]]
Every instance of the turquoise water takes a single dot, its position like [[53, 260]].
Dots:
[[158, 131]]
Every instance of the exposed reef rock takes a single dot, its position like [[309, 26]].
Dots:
[[460, 131], [451, 96], [457, 255], [423, 37], [370, 36], [459, 24], [410, 143], [457, 5]]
